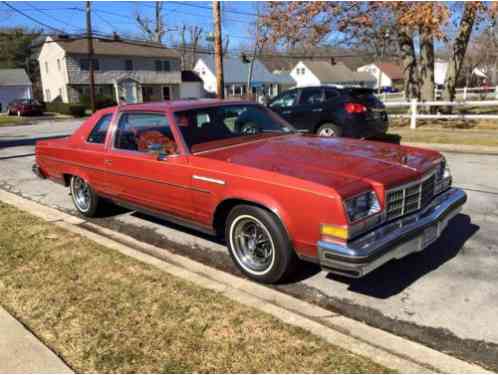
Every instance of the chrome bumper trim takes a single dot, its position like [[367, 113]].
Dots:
[[393, 240]]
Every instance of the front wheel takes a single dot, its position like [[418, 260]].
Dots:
[[329, 130], [259, 245], [84, 197]]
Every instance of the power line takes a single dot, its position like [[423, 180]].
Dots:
[[50, 16], [32, 18]]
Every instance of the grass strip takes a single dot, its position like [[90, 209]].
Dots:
[[104, 312], [475, 138]]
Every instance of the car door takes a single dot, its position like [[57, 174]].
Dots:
[[284, 105], [308, 111], [146, 166]]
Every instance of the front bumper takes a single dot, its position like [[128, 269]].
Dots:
[[394, 240]]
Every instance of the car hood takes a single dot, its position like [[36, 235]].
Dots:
[[334, 162]]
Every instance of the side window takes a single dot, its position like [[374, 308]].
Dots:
[[287, 99], [99, 131], [145, 132], [311, 96]]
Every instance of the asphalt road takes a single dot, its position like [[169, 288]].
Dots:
[[445, 297]]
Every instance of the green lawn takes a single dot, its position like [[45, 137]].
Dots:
[[11, 120], [104, 312]]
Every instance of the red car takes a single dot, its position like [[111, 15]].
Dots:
[[238, 170], [25, 107]]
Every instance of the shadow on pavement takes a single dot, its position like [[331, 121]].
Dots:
[[393, 277]]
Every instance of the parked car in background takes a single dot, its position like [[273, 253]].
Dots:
[[25, 107], [236, 169], [333, 112], [389, 89]]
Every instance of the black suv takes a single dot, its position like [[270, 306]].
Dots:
[[332, 111]]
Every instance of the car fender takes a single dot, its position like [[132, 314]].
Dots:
[[263, 200]]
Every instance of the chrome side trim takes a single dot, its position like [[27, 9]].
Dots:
[[208, 179]]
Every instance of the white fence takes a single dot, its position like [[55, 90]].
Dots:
[[462, 93], [414, 104]]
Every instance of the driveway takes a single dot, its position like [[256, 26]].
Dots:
[[445, 297]]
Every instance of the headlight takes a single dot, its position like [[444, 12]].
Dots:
[[362, 206], [443, 177]]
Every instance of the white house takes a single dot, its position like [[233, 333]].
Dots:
[[389, 74], [236, 72], [192, 86], [14, 84], [315, 73], [135, 71]]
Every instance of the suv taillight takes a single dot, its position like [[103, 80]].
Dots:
[[355, 108]]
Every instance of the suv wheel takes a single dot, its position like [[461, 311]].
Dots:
[[329, 130], [84, 198], [259, 245]]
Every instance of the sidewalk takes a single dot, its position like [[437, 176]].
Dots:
[[21, 352]]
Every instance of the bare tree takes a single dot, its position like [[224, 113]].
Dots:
[[190, 42], [155, 29]]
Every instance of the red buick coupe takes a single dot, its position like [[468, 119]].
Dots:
[[238, 170]]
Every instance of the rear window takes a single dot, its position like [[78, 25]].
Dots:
[[99, 132]]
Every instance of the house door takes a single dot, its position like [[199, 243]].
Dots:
[[129, 90], [166, 93]]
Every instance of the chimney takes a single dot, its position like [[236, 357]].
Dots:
[[332, 61], [115, 36]]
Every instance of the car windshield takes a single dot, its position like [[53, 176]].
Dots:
[[211, 127]]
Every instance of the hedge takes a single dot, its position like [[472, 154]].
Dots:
[[101, 101], [76, 110]]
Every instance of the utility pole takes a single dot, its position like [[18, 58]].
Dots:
[[218, 53], [90, 54], [251, 66]]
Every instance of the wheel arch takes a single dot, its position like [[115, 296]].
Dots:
[[225, 206]]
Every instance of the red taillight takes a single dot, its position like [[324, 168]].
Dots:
[[355, 108]]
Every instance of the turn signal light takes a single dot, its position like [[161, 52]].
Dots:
[[355, 108], [328, 230]]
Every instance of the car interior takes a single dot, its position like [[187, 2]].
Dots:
[[139, 131]]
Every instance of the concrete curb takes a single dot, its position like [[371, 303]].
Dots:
[[382, 347], [460, 149]]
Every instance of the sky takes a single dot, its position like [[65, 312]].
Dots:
[[119, 16]]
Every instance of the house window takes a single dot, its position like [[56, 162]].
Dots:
[[303, 71], [85, 64], [47, 95], [46, 67], [60, 92], [129, 65], [163, 66], [166, 65], [59, 65]]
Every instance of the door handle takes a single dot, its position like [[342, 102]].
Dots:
[[108, 161], [317, 110], [286, 112]]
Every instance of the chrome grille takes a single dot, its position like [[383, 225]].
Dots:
[[409, 198]]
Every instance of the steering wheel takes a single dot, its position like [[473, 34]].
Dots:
[[249, 128]]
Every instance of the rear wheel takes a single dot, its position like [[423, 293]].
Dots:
[[259, 244], [84, 198], [329, 130]]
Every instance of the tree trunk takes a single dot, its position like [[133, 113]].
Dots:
[[458, 51], [426, 74], [409, 64]]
